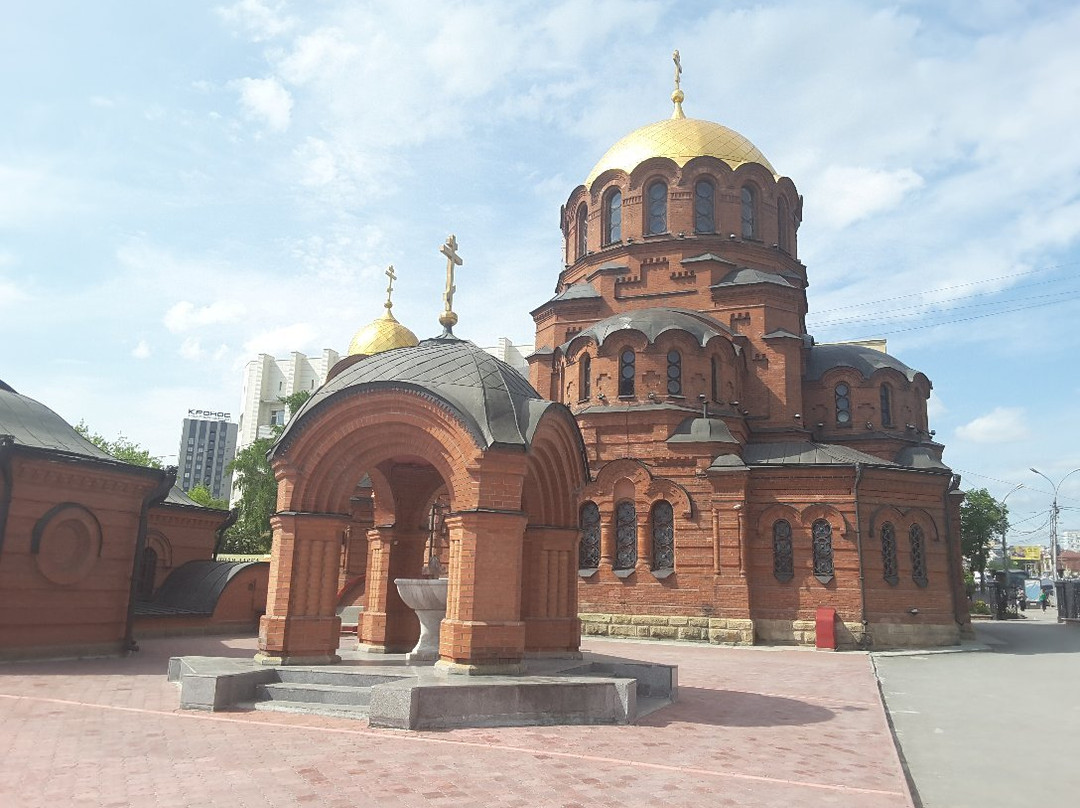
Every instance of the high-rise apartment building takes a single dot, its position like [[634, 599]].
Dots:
[[207, 446], [267, 380]]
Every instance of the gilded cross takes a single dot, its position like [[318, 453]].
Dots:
[[390, 287], [678, 68], [449, 249]]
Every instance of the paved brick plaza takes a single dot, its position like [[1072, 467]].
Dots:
[[753, 726]]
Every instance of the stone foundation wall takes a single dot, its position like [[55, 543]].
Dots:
[[906, 635], [850, 635], [717, 630]]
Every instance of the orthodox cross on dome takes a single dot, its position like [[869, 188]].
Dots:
[[677, 96], [389, 304], [448, 319]]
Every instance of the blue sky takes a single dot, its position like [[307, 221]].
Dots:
[[185, 185]]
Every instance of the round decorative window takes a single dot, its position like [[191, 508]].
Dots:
[[66, 544]]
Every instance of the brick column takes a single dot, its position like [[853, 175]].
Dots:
[[607, 539], [549, 582], [387, 624], [483, 632], [300, 626], [644, 541]]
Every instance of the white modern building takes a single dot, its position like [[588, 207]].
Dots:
[[267, 380]]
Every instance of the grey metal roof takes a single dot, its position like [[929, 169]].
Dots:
[[194, 587], [654, 322], [702, 430], [696, 259], [919, 457], [805, 453], [781, 333], [577, 291], [495, 402], [177, 496], [745, 276], [34, 425], [867, 361]]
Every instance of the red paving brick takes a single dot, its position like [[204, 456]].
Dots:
[[753, 727]]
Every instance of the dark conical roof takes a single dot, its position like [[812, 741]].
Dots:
[[866, 361], [35, 426], [495, 402], [652, 323]]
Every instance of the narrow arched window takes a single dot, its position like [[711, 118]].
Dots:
[[613, 217], [783, 566], [663, 536], [589, 548], [821, 532], [842, 395], [674, 373], [749, 213], [886, 405], [656, 210], [890, 570], [144, 589], [627, 371], [585, 378], [783, 238], [714, 379], [918, 555], [625, 535], [582, 230], [704, 207]]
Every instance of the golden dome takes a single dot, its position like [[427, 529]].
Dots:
[[680, 139], [384, 334]]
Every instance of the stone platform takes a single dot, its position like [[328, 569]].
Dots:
[[388, 692]]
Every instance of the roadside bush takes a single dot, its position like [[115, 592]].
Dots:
[[980, 607]]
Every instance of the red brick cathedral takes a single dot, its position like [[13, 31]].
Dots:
[[742, 476]]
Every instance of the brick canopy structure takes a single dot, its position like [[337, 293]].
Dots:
[[387, 436], [744, 476]]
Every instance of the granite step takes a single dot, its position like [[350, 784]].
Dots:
[[332, 676], [353, 711], [341, 695]]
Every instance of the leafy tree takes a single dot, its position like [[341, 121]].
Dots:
[[983, 520], [122, 448], [205, 497], [255, 481]]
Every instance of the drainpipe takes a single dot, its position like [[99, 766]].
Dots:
[[230, 520], [7, 447], [862, 568], [954, 483], [156, 495]]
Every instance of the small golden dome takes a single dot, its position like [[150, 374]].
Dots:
[[384, 334], [680, 139]]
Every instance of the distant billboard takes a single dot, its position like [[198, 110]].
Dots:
[[1025, 553], [209, 415]]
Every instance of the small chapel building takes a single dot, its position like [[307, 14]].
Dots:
[[743, 476]]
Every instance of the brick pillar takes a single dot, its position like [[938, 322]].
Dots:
[[300, 626], [483, 632], [387, 624], [549, 581], [644, 541], [607, 539]]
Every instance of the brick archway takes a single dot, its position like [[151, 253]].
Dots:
[[511, 521]]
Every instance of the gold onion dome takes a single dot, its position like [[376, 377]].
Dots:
[[384, 334], [680, 139]]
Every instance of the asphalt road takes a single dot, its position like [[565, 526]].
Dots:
[[997, 727]]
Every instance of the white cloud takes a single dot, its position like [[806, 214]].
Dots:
[[191, 349], [184, 316], [280, 341], [261, 20], [266, 100], [1000, 425], [846, 194], [142, 350]]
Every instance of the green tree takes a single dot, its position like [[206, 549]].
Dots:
[[983, 520], [122, 448], [205, 497], [254, 479]]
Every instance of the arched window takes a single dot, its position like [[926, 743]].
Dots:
[[144, 588], [625, 535], [886, 405], [889, 567], [918, 555], [704, 207], [842, 393], [582, 230], [656, 210], [783, 565], [783, 239], [674, 373], [749, 213], [663, 536], [627, 370], [585, 378], [589, 548], [613, 217], [823, 561], [714, 379]]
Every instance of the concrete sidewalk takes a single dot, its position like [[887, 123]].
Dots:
[[752, 727]]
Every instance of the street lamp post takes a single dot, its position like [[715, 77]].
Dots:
[[1054, 519], [1004, 594]]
